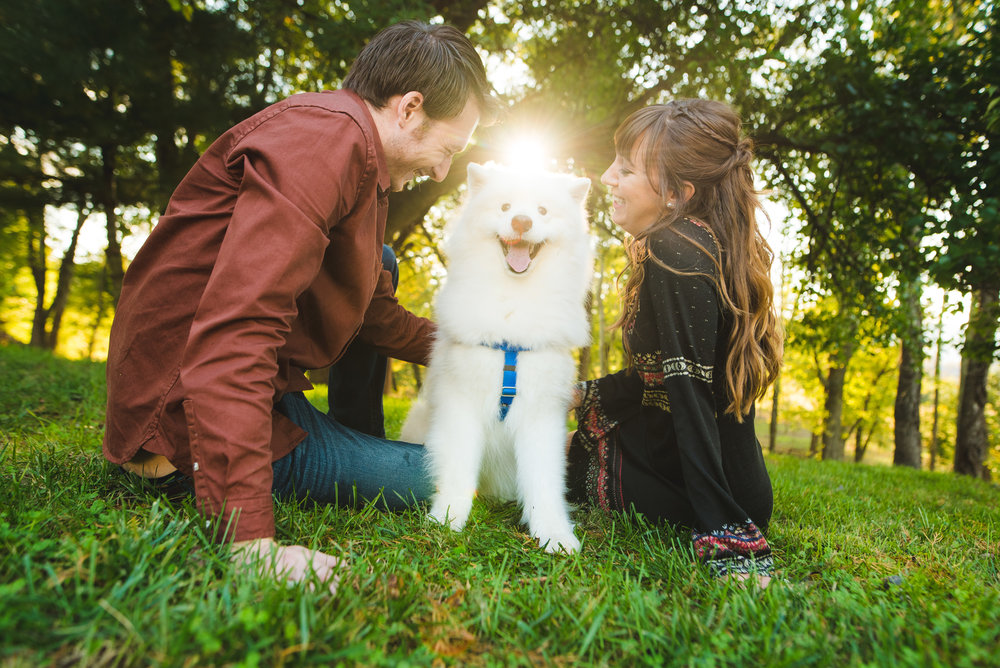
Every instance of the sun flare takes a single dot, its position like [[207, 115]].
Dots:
[[527, 152]]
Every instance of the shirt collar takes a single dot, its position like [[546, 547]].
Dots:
[[383, 167]]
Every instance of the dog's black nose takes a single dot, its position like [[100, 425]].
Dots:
[[521, 224]]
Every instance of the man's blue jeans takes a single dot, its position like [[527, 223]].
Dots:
[[339, 465], [346, 457]]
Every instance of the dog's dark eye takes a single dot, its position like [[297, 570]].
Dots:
[[505, 207], [542, 210]]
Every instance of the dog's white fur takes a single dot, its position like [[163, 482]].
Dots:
[[485, 301]]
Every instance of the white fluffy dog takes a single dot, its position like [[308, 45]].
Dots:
[[493, 409]]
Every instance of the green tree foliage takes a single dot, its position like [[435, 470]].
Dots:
[[870, 136], [969, 70]]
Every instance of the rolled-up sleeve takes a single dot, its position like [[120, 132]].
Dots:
[[394, 331]]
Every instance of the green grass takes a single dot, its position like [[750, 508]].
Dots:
[[878, 566]]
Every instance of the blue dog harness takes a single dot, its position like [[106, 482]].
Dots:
[[508, 386]]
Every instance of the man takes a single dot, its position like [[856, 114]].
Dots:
[[267, 262]]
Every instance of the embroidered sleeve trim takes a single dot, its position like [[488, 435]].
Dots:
[[655, 370], [735, 548], [680, 366], [595, 430], [741, 565], [656, 399]]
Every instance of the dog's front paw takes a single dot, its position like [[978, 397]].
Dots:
[[450, 514], [567, 543]]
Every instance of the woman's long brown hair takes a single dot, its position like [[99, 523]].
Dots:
[[700, 142]]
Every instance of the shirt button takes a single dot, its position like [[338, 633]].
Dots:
[[195, 467]]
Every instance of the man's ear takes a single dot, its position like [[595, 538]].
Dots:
[[409, 107]]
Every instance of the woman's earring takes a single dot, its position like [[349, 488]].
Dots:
[[670, 205]]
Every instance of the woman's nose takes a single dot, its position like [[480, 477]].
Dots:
[[608, 178]]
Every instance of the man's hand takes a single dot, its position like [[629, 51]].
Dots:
[[287, 563], [746, 578]]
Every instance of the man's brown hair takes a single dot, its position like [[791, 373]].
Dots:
[[435, 60]]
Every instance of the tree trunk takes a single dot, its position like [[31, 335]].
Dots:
[[418, 380], [109, 203], [602, 334], [937, 386], [773, 427], [66, 270], [783, 317], [815, 440], [37, 260], [833, 434], [98, 313], [971, 442], [169, 168], [861, 441], [907, 412], [583, 367], [389, 384]]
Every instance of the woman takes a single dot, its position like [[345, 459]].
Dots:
[[672, 435]]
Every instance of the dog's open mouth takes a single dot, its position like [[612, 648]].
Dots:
[[518, 253]]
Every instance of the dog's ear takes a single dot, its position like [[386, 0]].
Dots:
[[477, 176], [579, 188]]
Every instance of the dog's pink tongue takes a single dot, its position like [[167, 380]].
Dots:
[[518, 257]]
